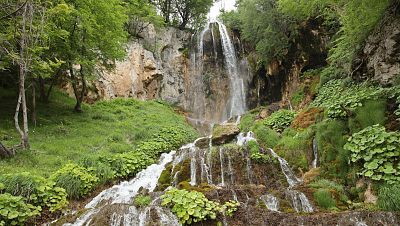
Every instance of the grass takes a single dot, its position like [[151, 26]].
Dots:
[[62, 136], [371, 113], [389, 197], [324, 199]]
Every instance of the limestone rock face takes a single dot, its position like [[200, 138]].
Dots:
[[155, 68], [225, 133], [380, 58]]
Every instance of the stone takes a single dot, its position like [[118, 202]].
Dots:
[[369, 196], [225, 133], [203, 143]]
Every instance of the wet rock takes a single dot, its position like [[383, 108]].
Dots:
[[203, 142], [223, 134]]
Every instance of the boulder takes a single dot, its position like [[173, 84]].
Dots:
[[203, 142], [225, 133]]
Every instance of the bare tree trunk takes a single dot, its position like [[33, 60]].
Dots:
[[22, 74], [78, 95]]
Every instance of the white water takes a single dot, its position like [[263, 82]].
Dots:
[[299, 201], [315, 152], [237, 105], [244, 139], [124, 192], [271, 202]]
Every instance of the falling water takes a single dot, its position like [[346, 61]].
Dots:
[[221, 159], [299, 201], [237, 96], [271, 202], [315, 152]]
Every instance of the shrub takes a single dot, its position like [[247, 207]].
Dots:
[[75, 179], [335, 188], [371, 113], [36, 190], [193, 206], [330, 136], [324, 199], [389, 197], [267, 137], [339, 99], [142, 200], [280, 120], [255, 154], [102, 171], [377, 151], [128, 164], [14, 211]]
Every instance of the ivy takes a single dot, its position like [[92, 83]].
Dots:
[[378, 151], [14, 210], [339, 99], [280, 120], [193, 206]]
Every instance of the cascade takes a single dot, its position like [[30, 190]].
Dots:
[[315, 153], [271, 202]]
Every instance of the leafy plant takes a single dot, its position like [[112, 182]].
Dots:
[[75, 179], [280, 120], [339, 99], [14, 211], [142, 200], [377, 151], [255, 154], [193, 206], [128, 164], [36, 190]]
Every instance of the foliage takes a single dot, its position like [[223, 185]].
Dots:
[[330, 135], [340, 99], [255, 154], [377, 151], [14, 211], [270, 30], [102, 171], [355, 18], [36, 190], [324, 199], [335, 189], [193, 206], [76, 180], [231, 19], [394, 92], [293, 146], [128, 164], [266, 136], [371, 113], [280, 120], [142, 200], [389, 197]]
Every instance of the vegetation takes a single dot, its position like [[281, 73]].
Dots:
[[14, 211], [388, 197], [324, 199], [142, 200], [377, 151], [280, 120], [193, 206]]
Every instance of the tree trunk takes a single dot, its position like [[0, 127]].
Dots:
[[21, 97], [6, 153], [78, 95], [33, 104]]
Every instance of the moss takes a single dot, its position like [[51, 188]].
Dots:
[[165, 179], [203, 187], [266, 136], [183, 170]]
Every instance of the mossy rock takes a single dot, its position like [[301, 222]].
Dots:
[[223, 134]]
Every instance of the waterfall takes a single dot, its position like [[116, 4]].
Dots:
[[271, 202], [315, 152], [299, 201], [237, 96]]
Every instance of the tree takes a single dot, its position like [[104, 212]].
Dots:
[[89, 34], [22, 24]]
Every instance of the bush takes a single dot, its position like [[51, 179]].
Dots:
[[142, 200], [377, 151], [339, 98], [101, 170], [193, 206], [389, 197], [324, 199], [336, 189], [371, 113], [267, 137], [280, 120], [14, 211], [36, 190], [128, 164], [255, 154], [75, 179], [333, 158]]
